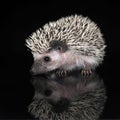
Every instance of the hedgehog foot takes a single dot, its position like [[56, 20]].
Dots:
[[86, 72], [61, 73]]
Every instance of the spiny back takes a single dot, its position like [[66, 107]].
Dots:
[[78, 32]]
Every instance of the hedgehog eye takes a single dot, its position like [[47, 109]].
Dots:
[[46, 59]]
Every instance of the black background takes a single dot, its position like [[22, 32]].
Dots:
[[19, 20]]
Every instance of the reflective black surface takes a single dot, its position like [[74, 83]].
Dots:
[[19, 20], [75, 97]]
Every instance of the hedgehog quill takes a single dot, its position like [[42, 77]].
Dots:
[[72, 42]]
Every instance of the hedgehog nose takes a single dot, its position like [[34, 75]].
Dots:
[[33, 71], [61, 105]]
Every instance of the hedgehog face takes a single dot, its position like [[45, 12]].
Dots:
[[54, 58], [46, 62]]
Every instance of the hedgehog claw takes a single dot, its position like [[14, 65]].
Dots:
[[61, 73], [86, 72]]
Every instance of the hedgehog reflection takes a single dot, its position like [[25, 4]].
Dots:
[[73, 97]]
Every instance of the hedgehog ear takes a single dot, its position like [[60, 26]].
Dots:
[[60, 49]]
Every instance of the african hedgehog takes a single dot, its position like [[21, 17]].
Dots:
[[74, 97], [72, 42]]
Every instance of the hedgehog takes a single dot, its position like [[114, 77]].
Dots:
[[71, 98], [71, 42]]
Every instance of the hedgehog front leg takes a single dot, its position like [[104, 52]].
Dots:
[[86, 71]]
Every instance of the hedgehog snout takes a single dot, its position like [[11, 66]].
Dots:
[[40, 66], [34, 69], [32, 72]]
